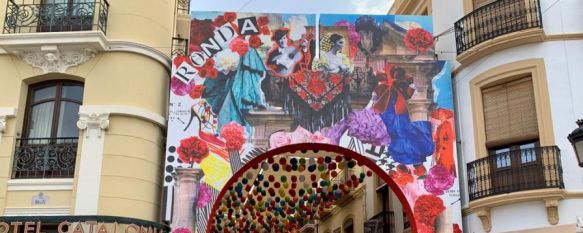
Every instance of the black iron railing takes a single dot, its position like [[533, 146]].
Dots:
[[383, 222], [495, 19], [37, 158], [179, 46], [29, 16], [515, 170], [183, 6]]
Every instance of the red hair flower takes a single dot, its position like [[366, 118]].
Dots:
[[427, 208], [234, 134], [418, 39], [238, 45], [230, 16], [263, 20], [196, 91], [192, 150], [255, 41]]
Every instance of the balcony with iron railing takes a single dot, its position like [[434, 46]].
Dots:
[[383, 222], [43, 158], [514, 171], [495, 20], [30, 16]]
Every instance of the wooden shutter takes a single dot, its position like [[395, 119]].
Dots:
[[510, 113]]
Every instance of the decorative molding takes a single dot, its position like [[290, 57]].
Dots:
[[40, 185], [500, 43], [36, 211], [552, 205], [566, 36], [484, 215], [94, 40], [96, 121], [123, 110], [51, 59], [4, 114]]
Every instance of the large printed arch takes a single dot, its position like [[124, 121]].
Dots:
[[315, 148], [254, 82]]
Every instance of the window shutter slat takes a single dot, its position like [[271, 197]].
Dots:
[[510, 112]]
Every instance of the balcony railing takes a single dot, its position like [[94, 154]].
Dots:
[[42, 158], [515, 170], [29, 16], [179, 46], [383, 222], [183, 6], [496, 19]]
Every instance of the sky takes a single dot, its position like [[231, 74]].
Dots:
[[295, 6]]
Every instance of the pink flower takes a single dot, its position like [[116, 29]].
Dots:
[[301, 135], [438, 180], [318, 137], [182, 230], [180, 88], [204, 196], [234, 134], [279, 139]]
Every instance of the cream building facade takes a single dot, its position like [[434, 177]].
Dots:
[[516, 83], [83, 106]]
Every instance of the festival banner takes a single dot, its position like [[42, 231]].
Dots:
[[252, 82]]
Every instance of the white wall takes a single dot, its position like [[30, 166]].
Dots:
[[563, 63]]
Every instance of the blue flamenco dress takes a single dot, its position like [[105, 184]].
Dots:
[[243, 91], [411, 142]]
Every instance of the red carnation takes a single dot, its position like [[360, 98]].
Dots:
[[234, 134], [212, 73], [202, 73], [401, 178], [427, 208], [418, 39], [209, 63], [230, 16], [196, 91], [265, 30], [220, 21], [200, 30], [192, 150], [255, 41], [238, 45], [263, 20], [316, 86]]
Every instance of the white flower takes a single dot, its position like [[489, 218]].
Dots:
[[226, 61]]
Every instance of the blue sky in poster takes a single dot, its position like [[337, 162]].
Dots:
[[442, 86], [212, 14]]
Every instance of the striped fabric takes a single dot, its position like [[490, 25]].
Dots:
[[202, 214]]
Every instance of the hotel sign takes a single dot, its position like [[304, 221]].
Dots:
[[77, 227]]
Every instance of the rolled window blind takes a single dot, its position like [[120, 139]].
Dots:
[[510, 113]]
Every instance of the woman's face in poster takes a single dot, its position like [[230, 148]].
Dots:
[[339, 44], [366, 38]]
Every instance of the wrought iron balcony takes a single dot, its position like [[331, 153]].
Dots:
[[42, 158], [179, 46], [496, 19], [381, 223], [29, 16], [515, 170]]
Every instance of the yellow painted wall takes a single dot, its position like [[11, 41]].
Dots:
[[131, 180], [354, 209], [23, 199]]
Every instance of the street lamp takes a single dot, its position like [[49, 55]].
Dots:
[[576, 139]]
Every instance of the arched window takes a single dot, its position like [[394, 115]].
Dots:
[[48, 146], [348, 226]]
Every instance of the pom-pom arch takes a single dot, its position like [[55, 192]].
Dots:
[[317, 147]]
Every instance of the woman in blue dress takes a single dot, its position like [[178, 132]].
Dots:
[[411, 142]]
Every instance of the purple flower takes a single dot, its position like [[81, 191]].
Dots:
[[335, 132], [182, 230], [438, 180], [180, 88], [204, 196], [368, 127]]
